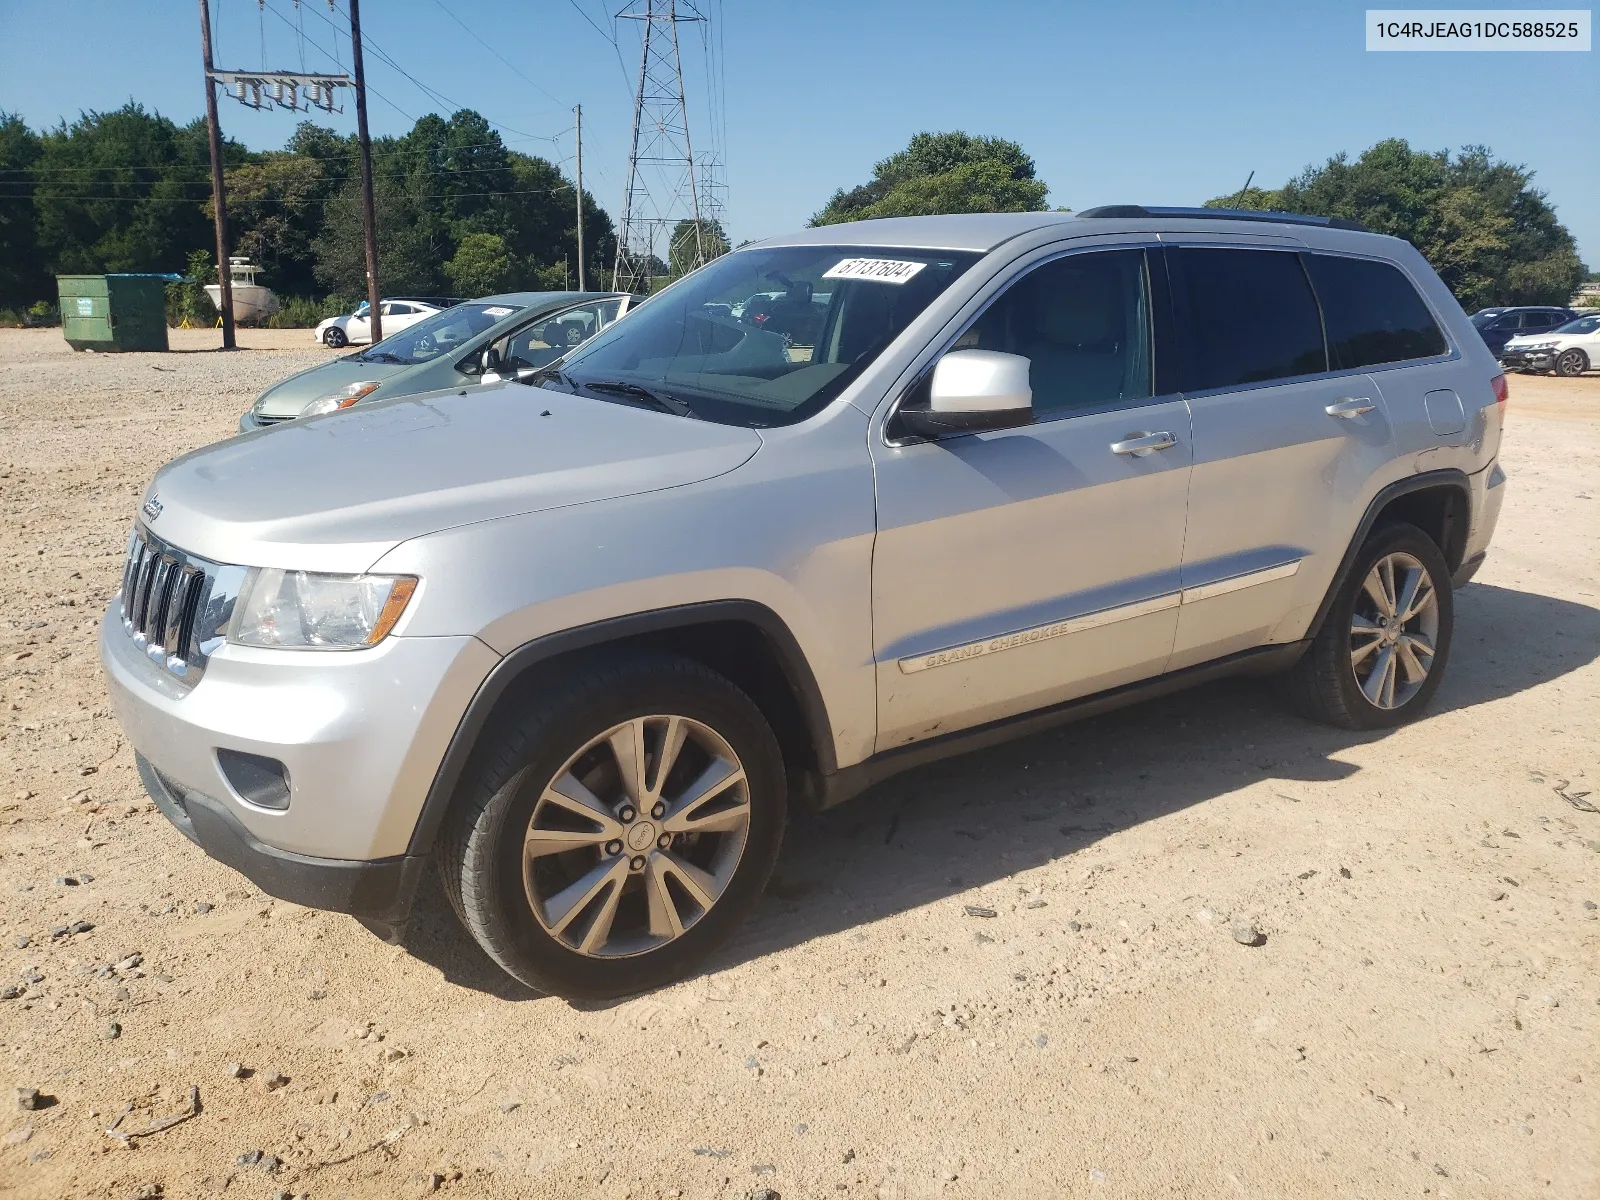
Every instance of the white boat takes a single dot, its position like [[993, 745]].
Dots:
[[251, 301]]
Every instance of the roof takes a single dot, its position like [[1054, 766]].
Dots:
[[985, 231]]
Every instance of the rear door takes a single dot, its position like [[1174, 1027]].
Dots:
[[1283, 450], [1019, 568]]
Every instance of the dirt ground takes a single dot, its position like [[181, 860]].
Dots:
[[1420, 1021]]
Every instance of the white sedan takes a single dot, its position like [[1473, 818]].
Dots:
[[356, 328], [1569, 349]]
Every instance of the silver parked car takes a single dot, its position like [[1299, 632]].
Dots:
[[584, 640], [471, 343]]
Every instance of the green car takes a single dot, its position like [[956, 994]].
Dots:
[[480, 341]]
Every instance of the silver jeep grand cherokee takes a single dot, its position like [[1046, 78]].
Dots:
[[830, 507]]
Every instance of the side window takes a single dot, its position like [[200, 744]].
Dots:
[[1372, 312], [1252, 318], [1083, 322], [1541, 320], [548, 338], [1511, 321]]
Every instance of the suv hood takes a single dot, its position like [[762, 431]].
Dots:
[[337, 492], [288, 398]]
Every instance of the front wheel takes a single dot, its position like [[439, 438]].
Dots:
[[335, 338], [1572, 363], [1380, 655], [616, 830]]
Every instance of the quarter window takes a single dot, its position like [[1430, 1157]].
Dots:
[[1373, 313], [1083, 323], [1252, 318]]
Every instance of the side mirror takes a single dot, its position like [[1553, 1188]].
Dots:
[[973, 390]]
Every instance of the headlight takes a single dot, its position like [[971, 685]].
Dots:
[[307, 610], [343, 398], [1538, 346]]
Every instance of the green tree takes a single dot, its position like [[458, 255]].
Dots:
[[943, 173], [713, 243], [413, 243], [482, 265], [124, 191], [23, 278], [1492, 236], [130, 190]]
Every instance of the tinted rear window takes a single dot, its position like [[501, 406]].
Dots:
[[1373, 313], [1252, 317]]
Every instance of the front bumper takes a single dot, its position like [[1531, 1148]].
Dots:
[[379, 893], [360, 734], [1528, 360]]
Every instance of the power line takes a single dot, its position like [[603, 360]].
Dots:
[[610, 37], [337, 199], [437, 96], [553, 138], [124, 183], [473, 33], [335, 57]]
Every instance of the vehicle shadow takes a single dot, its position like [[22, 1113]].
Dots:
[[970, 821]]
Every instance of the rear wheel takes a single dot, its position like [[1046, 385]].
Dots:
[[1380, 655], [335, 337], [615, 832], [1571, 363]]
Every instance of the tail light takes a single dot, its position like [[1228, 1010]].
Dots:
[[1502, 390]]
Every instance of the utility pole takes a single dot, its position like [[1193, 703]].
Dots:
[[219, 202], [369, 220], [579, 111]]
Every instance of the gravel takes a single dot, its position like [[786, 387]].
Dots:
[[79, 438]]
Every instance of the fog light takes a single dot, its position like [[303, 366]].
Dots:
[[257, 780]]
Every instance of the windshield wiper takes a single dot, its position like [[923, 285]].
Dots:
[[660, 400], [380, 356]]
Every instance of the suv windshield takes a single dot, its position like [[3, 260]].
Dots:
[[764, 337], [442, 333]]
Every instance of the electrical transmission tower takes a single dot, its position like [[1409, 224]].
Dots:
[[662, 192]]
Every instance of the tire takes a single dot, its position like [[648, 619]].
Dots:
[[1329, 684], [335, 338], [1571, 363], [525, 911]]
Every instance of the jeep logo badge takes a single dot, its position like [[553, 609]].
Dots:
[[151, 507]]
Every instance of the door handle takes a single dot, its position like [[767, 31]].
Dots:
[[1141, 444], [1350, 406]]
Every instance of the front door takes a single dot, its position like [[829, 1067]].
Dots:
[[1284, 451], [1019, 568]]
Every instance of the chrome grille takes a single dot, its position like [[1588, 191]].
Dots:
[[175, 605]]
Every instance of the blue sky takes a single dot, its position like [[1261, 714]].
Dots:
[[1156, 102]]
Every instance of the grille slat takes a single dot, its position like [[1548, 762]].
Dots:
[[180, 611], [155, 611], [141, 587], [164, 591]]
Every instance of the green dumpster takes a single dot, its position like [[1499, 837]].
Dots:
[[114, 312]]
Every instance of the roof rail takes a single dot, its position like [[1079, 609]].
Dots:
[[1223, 214]]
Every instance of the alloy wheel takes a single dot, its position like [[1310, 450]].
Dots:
[[636, 837], [1394, 630]]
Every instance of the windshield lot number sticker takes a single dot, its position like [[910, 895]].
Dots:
[[498, 312], [883, 270]]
